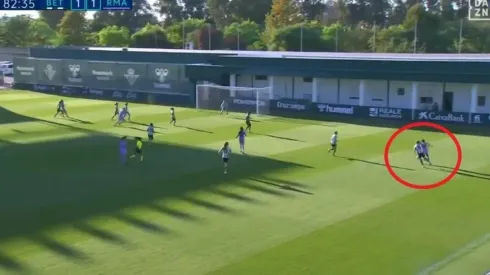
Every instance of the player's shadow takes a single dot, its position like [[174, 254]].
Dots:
[[194, 129], [139, 129], [65, 182], [282, 186], [146, 125], [79, 120], [375, 163], [461, 172], [279, 137]]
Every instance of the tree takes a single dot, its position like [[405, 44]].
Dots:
[[14, 31], [208, 38], [114, 36], [151, 36], [41, 34], [245, 33], [185, 28], [52, 17], [224, 12], [177, 10], [73, 29], [306, 37], [283, 13]]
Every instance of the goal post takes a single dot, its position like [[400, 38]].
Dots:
[[237, 99]]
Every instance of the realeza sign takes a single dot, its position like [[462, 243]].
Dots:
[[394, 113], [435, 116]]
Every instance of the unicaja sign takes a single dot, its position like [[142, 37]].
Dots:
[[438, 117], [290, 106]]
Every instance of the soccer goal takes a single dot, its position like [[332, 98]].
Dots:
[[237, 99]]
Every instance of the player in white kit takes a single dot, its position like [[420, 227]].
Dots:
[[333, 143], [419, 151], [225, 153]]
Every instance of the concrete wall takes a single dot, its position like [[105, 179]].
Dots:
[[8, 54], [377, 93]]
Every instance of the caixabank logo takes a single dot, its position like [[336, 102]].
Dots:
[[435, 116]]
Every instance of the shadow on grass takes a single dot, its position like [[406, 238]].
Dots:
[[194, 129], [461, 172], [66, 182], [375, 163], [278, 137], [282, 186]]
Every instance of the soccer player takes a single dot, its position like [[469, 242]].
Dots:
[[122, 117], [333, 143], [151, 132], [173, 120], [419, 151], [127, 110], [225, 152], [60, 109], [425, 147], [241, 139], [248, 122], [224, 107], [139, 149], [123, 150], [116, 112]]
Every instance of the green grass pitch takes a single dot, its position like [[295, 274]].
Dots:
[[67, 205]]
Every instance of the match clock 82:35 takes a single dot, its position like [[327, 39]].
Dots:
[[18, 5]]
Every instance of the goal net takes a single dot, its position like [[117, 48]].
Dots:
[[237, 99]]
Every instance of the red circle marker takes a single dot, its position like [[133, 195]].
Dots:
[[422, 124]]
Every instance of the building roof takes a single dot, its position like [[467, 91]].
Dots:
[[321, 55]]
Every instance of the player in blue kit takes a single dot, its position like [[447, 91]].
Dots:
[[241, 139], [122, 117], [123, 150], [425, 147], [116, 112]]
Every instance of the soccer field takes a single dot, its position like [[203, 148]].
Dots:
[[68, 206]]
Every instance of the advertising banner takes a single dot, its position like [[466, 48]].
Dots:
[[162, 77], [73, 90], [480, 119], [390, 113], [48, 89], [447, 117], [336, 109], [131, 76], [292, 105], [240, 104], [49, 71], [25, 70], [75, 72], [102, 75], [182, 100]]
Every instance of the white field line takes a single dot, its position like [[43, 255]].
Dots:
[[456, 255]]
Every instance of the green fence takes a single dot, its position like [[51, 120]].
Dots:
[[151, 77]]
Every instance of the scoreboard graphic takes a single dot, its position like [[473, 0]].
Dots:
[[74, 5], [479, 10]]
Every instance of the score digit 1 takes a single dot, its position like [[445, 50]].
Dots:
[[77, 5], [94, 5]]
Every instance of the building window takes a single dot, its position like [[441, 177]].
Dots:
[[308, 79], [480, 101], [400, 91], [425, 99], [260, 77]]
